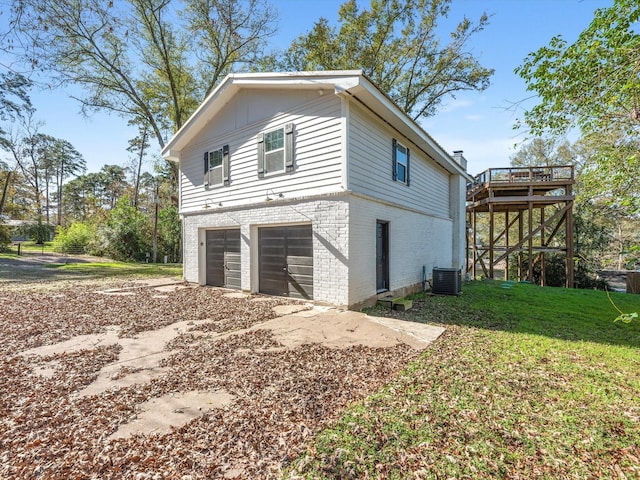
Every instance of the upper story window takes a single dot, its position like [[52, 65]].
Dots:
[[275, 151], [400, 162], [216, 167]]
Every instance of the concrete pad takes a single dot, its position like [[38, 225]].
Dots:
[[110, 336], [289, 309], [159, 415], [342, 329], [143, 352], [139, 359], [236, 295]]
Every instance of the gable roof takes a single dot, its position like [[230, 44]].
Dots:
[[350, 83]]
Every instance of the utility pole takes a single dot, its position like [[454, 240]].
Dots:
[[155, 223]]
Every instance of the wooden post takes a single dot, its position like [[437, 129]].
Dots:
[[543, 273], [520, 234], [530, 236], [491, 240], [569, 243], [506, 241]]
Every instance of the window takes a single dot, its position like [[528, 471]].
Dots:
[[275, 151], [216, 167], [401, 157]]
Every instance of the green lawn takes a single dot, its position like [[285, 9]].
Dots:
[[121, 269], [526, 382]]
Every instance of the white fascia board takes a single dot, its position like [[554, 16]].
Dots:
[[340, 80], [172, 155], [383, 106], [198, 119]]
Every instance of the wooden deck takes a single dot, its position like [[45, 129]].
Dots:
[[525, 209], [513, 188]]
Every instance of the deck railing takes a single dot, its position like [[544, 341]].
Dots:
[[511, 175]]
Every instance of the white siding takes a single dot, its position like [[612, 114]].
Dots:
[[370, 167], [415, 239], [317, 147]]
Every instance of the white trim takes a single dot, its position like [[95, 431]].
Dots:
[[351, 83], [345, 120], [202, 256]]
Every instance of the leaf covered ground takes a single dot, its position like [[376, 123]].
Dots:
[[282, 396], [526, 383]]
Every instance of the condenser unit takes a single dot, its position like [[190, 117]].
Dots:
[[446, 281]]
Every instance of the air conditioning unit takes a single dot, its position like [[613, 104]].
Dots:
[[446, 281]]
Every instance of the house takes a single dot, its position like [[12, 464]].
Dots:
[[314, 185]]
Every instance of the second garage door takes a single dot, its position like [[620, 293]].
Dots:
[[223, 258], [286, 261]]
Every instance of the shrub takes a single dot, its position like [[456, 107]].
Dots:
[[127, 234], [77, 238], [555, 272], [5, 237]]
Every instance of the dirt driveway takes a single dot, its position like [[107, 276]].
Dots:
[[179, 381]]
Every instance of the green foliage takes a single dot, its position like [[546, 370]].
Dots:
[[544, 151], [126, 234], [14, 100], [524, 383], [396, 44], [5, 237], [151, 61], [76, 239], [593, 85], [38, 232], [555, 272], [169, 233]]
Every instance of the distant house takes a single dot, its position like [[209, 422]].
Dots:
[[314, 185]]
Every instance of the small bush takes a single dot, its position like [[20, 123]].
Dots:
[[555, 272], [75, 239], [5, 237]]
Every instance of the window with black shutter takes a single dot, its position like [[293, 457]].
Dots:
[[275, 151], [216, 167], [400, 162]]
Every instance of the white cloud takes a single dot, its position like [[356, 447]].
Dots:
[[455, 104], [474, 117]]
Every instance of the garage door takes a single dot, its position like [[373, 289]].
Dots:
[[223, 258], [286, 261]]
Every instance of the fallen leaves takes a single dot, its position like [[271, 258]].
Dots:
[[282, 396]]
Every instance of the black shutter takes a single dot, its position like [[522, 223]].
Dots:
[[408, 163], [288, 147], [225, 165], [261, 154], [394, 162], [206, 169]]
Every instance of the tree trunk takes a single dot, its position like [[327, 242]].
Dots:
[[5, 189]]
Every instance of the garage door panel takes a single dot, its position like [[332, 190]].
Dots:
[[300, 291], [223, 258], [286, 261]]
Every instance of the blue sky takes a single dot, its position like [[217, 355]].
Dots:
[[478, 123]]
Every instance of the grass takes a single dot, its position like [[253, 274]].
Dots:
[[120, 269], [526, 382], [47, 247]]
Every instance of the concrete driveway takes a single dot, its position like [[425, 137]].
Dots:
[[180, 380]]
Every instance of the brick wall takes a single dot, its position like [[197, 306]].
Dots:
[[329, 218]]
